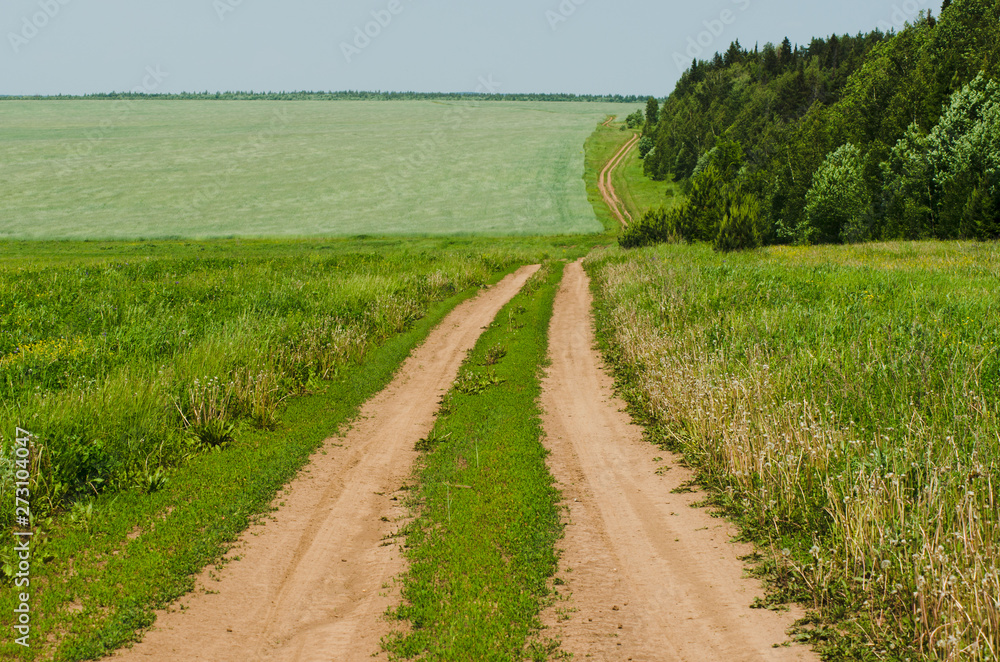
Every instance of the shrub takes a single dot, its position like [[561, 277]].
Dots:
[[646, 145], [838, 206], [741, 226], [654, 227]]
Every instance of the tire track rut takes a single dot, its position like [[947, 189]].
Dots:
[[650, 577], [606, 187], [311, 582]]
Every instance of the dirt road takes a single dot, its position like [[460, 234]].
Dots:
[[607, 189], [649, 577], [311, 583]]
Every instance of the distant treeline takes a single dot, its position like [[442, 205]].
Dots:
[[875, 136], [349, 95]]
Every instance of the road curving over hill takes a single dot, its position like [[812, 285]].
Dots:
[[607, 188], [648, 576], [313, 582]]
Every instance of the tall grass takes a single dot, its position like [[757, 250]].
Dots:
[[123, 368], [843, 402]]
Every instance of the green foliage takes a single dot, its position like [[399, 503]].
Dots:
[[943, 184], [925, 142], [653, 227], [214, 434], [473, 383], [652, 116], [634, 120], [646, 145], [495, 354], [837, 205], [740, 227]]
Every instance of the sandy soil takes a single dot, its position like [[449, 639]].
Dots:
[[313, 582], [607, 189], [648, 576]]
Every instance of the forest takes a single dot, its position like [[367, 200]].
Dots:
[[877, 136]]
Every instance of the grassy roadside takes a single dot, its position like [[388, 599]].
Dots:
[[639, 193], [600, 147], [108, 567], [841, 403], [481, 549]]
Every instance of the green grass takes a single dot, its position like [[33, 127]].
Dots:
[[640, 193], [481, 550], [123, 365], [600, 147], [154, 169], [844, 404]]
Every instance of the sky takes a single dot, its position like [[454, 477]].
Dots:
[[507, 46]]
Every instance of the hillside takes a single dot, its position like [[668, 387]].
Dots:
[[851, 138]]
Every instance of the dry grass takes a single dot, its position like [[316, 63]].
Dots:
[[844, 402]]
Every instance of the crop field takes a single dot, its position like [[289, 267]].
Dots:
[[200, 169], [843, 403]]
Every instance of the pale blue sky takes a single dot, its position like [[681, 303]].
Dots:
[[580, 46]]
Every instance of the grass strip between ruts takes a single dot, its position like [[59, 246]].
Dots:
[[481, 548], [137, 552]]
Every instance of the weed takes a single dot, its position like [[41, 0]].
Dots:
[[430, 442], [494, 355], [473, 383], [214, 434]]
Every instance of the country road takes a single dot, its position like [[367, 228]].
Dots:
[[649, 577], [309, 584], [606, 187]]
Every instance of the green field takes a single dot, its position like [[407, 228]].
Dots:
[[198, 169]]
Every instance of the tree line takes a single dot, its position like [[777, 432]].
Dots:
[[851, 138], [347, 95]]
